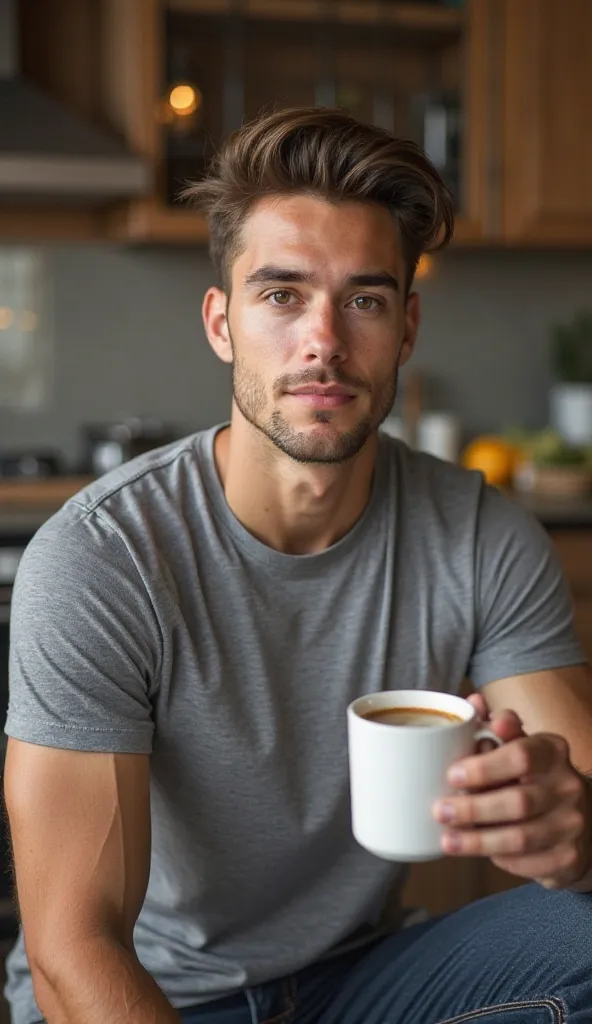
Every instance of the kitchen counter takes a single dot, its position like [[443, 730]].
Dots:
[[556, 512], [25, 505]]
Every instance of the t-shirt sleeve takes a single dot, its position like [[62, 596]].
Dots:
[[523, 605], [84, 650]]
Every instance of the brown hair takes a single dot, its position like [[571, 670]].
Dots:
[[326, 153]]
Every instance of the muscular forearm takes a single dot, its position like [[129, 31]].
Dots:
[[98, 981]]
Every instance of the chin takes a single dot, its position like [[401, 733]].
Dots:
[[322, 443]]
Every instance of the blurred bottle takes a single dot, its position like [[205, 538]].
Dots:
[[437, 127], [395, 427], [439, 434]]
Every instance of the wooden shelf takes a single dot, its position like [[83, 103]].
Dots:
[[35, 493], [412, 16], [30, 222], [149, 221]]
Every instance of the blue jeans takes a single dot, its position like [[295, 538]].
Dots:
[[523, 957]]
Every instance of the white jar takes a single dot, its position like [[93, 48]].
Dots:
[[571, 412], [439, 434], [395, 427]]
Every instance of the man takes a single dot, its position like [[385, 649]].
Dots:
[[188, 632]]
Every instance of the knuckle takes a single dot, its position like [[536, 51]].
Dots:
[[573, 786], [560, 743], [525, 803], [541, 841], [473, 845], [522, 758], [520, 842], [575, 823], [476, 773], [468, 809], [570, 859]]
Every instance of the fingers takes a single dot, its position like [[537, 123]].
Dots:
[[518, 803], [506, 724], [551, 832], [524, 757]]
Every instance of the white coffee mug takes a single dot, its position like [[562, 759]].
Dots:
[[397, 772]]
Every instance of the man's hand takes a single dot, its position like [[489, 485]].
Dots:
[[523, 805]]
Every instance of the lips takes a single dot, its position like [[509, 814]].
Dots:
[[322, 389], [321, 396]]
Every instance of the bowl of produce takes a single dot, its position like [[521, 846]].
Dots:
[[546, 464]]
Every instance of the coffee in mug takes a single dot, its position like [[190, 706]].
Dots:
[[422, 717], [401, 744]]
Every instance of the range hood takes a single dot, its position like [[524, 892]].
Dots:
[[49, 153]]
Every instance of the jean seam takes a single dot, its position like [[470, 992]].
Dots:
[[289, 987], [552, 1004]]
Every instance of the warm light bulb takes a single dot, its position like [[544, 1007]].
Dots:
[[184, 99], [424, 267]]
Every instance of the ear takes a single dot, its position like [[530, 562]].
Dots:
[[412, 321], [213, 311]]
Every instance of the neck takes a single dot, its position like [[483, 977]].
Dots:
[[294, 508]]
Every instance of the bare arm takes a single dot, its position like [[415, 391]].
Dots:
[[80, 825], [557, 701]]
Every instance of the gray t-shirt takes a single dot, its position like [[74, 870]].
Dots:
[[147, 619]]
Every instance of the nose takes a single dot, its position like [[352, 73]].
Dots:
[[322, 340]]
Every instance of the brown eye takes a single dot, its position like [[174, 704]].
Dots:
[[365, 303], [281, 298]]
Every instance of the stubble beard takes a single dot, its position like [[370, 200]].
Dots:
[[250, 396]]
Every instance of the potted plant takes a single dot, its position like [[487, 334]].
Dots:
[[571, 396]]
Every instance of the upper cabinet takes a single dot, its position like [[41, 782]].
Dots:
[[498, 92], [546, 140], [180, 75]]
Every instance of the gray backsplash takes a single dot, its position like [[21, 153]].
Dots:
[[129, 341]]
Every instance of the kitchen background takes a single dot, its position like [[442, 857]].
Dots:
[[107, 107], [127, 339]]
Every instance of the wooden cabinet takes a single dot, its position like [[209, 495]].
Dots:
[[522, 72], [546, 98], [518, 69], [133, 85], [148, 45]]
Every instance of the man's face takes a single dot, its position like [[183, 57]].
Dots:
[[317, 324]]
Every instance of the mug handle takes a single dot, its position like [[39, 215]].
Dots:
[[487, 734]]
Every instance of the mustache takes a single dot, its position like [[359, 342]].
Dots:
[[313, 376]]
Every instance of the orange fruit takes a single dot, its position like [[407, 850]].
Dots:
[[495, 457]]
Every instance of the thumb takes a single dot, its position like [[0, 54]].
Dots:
[[506, 724]]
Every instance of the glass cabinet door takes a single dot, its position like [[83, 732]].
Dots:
[[398, 65]]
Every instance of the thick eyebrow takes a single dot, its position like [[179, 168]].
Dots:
[[380, 280], [269, 274]]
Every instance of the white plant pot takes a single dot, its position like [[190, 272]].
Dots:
[[571, 412]]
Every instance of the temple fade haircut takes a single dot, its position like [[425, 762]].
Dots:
[[326, 154]]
